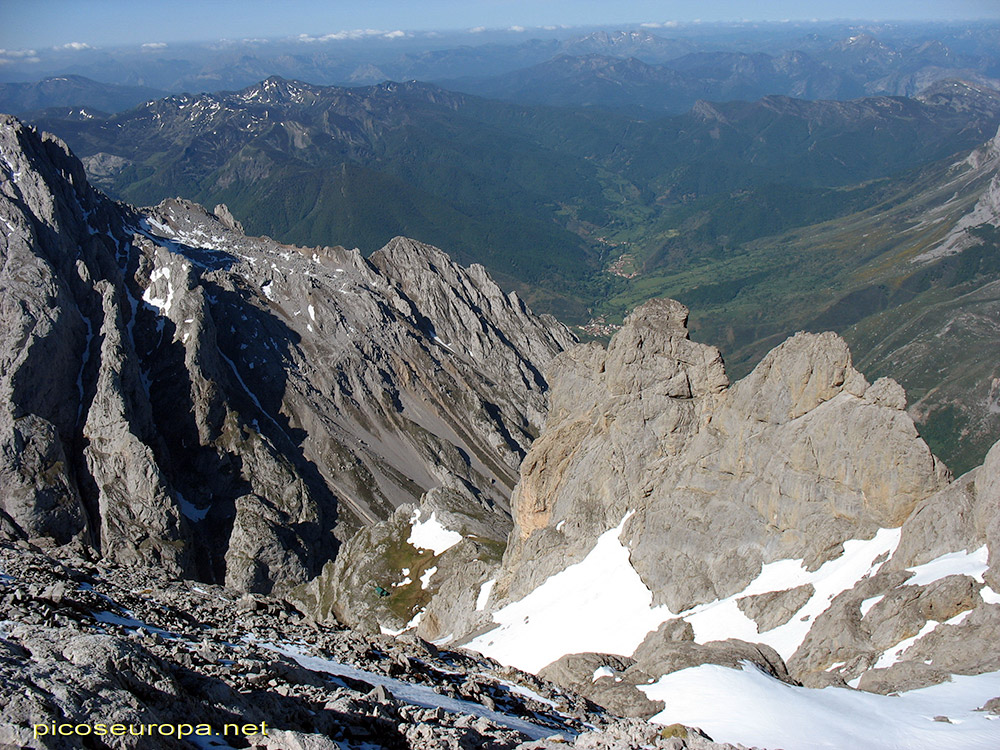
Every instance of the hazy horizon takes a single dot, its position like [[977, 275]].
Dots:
[[72, 25]]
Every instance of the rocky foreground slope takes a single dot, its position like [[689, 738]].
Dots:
[[87, 642]]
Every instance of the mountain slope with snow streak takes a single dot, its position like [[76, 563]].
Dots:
[[263, 400]]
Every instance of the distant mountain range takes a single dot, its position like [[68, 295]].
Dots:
[[637, 87], [73, 92], [884, 58], [548, 198], [462, 167]]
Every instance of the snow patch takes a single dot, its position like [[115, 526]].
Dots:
[[189, 509], [599, 604], [527, 693], [867, 604], [972, 564], [892, 655], [416, 695], [414, 622], [484, 594], [129, 622], [160, 304], [425, 579], [431, 534], [161, 228], [604, 671], [752, 708], [723, 619]]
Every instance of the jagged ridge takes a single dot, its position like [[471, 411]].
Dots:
[[227, 407]]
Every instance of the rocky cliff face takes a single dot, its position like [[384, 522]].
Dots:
[[790, 462], [230, 408], [794, 520]]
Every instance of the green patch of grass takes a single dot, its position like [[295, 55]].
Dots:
[[403, 601], [491, 549]]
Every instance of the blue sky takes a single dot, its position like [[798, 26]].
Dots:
[[51, 23]]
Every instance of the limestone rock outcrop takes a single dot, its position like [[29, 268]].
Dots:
[[931, 610], [614, 682], [798, 507], [790, 462]]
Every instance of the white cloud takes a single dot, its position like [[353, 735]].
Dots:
[[75, 46], [394, 34], [154, 45], [477, 29], [516, 28], [352, 34], [11, 56]]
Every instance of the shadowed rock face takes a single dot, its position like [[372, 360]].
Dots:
[[229, 407]]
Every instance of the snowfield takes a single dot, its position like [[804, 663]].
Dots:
[[752, 708], [723, 619], [972, 564], [600, 604]]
